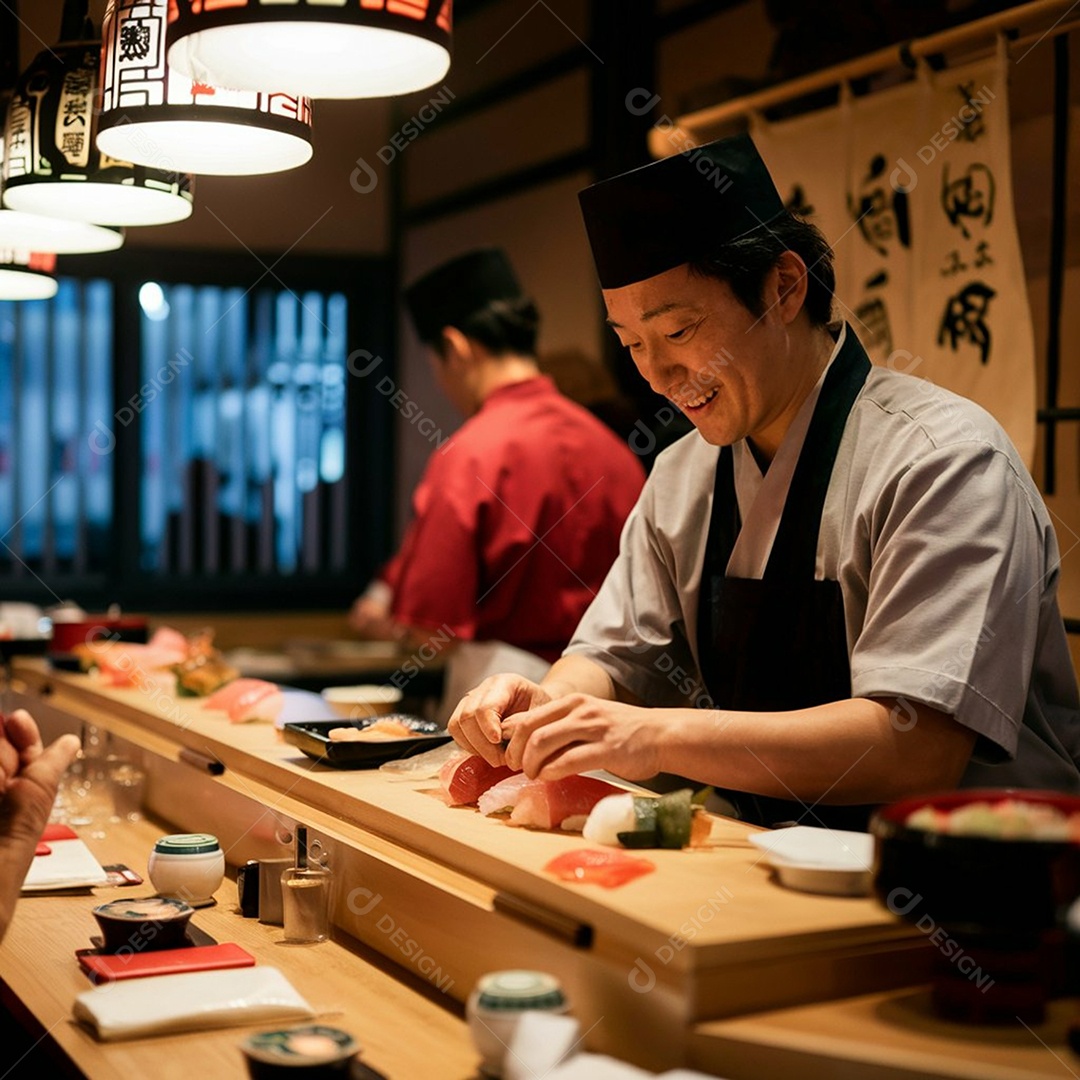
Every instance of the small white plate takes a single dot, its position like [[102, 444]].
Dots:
[[830, 861]]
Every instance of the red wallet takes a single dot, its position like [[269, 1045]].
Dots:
[[108, 967]]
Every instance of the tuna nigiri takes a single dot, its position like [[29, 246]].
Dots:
[[607, 868], [247, 699], [545, 804], [465, 779]]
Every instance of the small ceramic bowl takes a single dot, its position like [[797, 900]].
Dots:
[[300, 1052], [496, 1005], [143, 925], [188, 867], [357, 702]]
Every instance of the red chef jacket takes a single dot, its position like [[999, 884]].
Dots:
[[516, 522]]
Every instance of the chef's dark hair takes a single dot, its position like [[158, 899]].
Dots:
[[745, 262], [503, 327]]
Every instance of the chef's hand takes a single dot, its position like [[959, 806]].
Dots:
[[29, 776], [370, 618], [477, 723], [578, 732]]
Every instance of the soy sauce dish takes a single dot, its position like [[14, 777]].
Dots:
[[313, 1050]]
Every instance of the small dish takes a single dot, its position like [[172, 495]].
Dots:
[[357, 702], [140, 925], [829, 861], [313, 737], [300, 1051]]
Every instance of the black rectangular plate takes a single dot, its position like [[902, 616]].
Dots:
[[311, 736]]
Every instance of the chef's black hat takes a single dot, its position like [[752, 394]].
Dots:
[[449, 294], [677, 210]]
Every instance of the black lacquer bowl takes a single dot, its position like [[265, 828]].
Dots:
[[994, 908]]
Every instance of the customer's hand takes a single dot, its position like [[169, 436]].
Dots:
[[29, 776]]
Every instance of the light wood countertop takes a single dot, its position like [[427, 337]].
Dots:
[[405, 1028]]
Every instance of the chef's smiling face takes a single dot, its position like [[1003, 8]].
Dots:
[[695, 343]]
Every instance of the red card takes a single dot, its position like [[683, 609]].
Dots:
[[58, 832], [106, 967]]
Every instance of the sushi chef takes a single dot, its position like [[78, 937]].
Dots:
[[839, 589], [517, 517]]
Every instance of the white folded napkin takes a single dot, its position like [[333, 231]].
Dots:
[[194, 1001], [540, 1042], [70, 865]]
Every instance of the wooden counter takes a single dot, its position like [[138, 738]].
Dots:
[[401, 1028], [448, 894], [888, 1036]]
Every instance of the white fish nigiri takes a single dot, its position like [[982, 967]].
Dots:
[[609, 817]]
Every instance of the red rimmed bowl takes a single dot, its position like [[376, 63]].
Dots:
[[993, 907], [92, 630]]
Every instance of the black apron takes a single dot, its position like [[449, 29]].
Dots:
[[780, 643]]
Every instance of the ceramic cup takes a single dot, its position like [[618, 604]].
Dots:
[[496, 1004], [187, 866]]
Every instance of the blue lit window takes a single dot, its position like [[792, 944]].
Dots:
[[56, 434], [242, 410]]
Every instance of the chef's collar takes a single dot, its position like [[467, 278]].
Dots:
[[451, 293], [677, 210]]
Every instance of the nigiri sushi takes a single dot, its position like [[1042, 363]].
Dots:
[[504, 795], [378, 731], [465, 779], [247, 699], [641, 821], [544, 804]]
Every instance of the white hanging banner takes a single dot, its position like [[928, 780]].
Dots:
[[882, 243], [973, 330], [912, 187], [807, 158]]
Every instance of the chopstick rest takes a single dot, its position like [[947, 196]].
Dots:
[[163, 1004]]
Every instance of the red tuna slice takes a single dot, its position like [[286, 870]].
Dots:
[[590, 867], [464, 780], [548, 803]]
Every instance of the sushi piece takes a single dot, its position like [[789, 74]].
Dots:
[[465, 779], [126, 663], [636, 821], [169, 640], [380, 731], [613, 815], [504, 796], [424, 766], [247, 699], [546, 804], [609, 869]]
